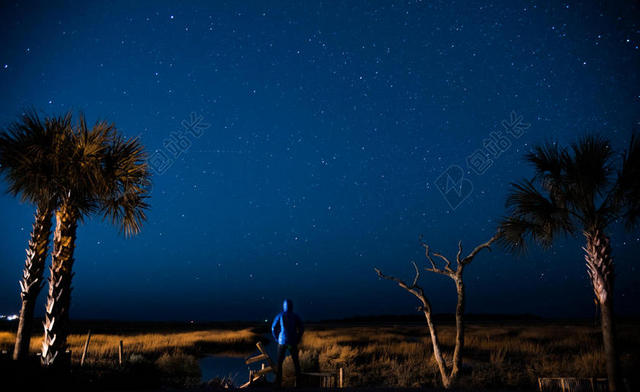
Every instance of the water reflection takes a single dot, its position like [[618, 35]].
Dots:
[[231, 365], [224, 366]]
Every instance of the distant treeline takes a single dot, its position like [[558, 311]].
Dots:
[[471, 317], [119, 326]]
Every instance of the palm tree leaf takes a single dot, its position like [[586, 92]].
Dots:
[[127, 183], [533, 216], [589, 174], [29, 156]]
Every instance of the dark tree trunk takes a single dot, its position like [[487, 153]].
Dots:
[[608, 337], [31, 283], [600, 269], [56, 324]]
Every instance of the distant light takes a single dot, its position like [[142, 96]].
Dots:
[[12, 317], [171, 17], [266, 321]]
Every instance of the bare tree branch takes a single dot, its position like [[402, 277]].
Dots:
[[448, 376], [413, 289], [480, 247], [434, 268], [447, 266], [415, 280], [459, 252], [428, 256]]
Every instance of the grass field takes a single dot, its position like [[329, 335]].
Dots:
[[151, 359], [104, 347], [511, 356], [496, 356]]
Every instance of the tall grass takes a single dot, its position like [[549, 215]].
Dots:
[[495, 356], [104, 347], [503, 356]]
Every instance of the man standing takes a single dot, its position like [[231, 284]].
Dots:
[[287, 330]]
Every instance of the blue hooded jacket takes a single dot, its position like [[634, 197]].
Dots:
[[287, 327]]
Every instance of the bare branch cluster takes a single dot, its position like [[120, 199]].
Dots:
[[443, 266]]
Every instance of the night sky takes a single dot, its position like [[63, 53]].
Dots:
[[296, 145]]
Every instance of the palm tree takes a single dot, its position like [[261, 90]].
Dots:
[[106, 174], [28, 156], [579, 188]]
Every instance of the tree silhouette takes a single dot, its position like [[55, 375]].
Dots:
[[29, 156], [579, 188], [100, 173]]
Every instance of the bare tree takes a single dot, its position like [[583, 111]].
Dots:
[[447, 376]]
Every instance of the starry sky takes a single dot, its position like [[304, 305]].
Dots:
[[296, 145]]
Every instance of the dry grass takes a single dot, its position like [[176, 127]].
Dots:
[[104, 347], [495, 356]]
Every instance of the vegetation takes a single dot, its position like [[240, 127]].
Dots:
[[30, 152], [151, 360], [103, 348], [579, 189], [102, 173], [457, 275], [497, 356], [72, 172], [506, 355]]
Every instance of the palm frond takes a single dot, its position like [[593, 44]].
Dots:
[[127, 180], [90, 168], [533, 216], [29, 155], [549, 161], [589, 171]]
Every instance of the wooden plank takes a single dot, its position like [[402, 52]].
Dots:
[[257, 358], [263, 351], [263, 371], [263, 356], [86, 346], [120, 353]]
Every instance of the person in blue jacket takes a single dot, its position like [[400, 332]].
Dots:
[[287, 330]]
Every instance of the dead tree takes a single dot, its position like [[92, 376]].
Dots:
[[447, 376]]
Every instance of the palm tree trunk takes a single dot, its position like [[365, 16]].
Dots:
[[608, 337], [56, 324], [600, 269], [31, 282], [457, 353]]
